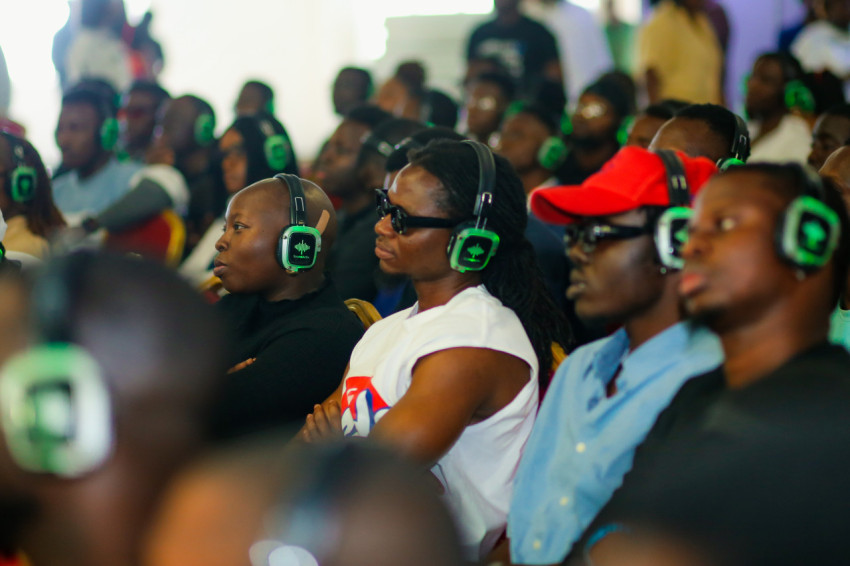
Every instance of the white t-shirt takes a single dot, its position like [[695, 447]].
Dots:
[[790, 141], [478, 470], [823, 47]]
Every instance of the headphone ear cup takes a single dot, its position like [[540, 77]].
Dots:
[[799, 97], [276, 149], [725, 163], [109, 134], [55, 410], [671, 235], [22, 184], [623, 130], [471, 248], [552, 153], [204, 129], [807, 233], [298, 248]]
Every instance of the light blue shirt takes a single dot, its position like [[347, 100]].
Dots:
[[583, 441], [839, 328], [78, 198]]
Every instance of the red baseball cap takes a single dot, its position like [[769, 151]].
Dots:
[[633, 178]]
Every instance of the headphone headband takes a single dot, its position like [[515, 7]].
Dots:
[[677, 182], [741, 142], [297, 203], [486, 181]]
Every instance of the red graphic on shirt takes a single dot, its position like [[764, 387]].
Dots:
[[362, 406]]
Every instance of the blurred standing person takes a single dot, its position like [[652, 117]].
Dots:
[[679, 55], [97, 50]]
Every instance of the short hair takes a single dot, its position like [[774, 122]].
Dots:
[[440, 109], [665, 109], [842, 110], [368, 114], [380, 142], [265, 90], [150, 87], [201, 105], [719, 120], [413, 76], [791, 68], [363, 73], [544, 114], [502, 80], [104, 107]]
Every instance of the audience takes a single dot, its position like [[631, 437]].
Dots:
[[290, 331], [141, 105], [777, 134], [454, 381], [650, 449], [26, 199], [606, 395], [116, 388]]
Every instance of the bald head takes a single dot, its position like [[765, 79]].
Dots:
[[694, 138]]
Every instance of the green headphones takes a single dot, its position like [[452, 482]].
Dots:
[[808, 231], [276, 147], [472, 245], [204, 129], [299, 244], [671, 228], [55, 408], [740, 146], [553, 151], [21, 182]]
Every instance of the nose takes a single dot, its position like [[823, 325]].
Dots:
[[222, 243], [576, 253], [383, 227]]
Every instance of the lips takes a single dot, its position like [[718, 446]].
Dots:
[[577, 286], [382, 252], [691, 283], [219, 268]]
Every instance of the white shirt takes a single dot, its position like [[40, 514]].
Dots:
[[478, 470], [822, 46], [790, 141]]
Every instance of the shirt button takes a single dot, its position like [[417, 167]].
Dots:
[[580, 447], [565, 501], [537, 544]]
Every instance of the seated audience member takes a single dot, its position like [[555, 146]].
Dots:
[[125, 412], [831, 131], [86, 135], [352, 263], [26, 199], [530, 139], [453, 382], [347, 504], [837, 169], [596, 122], [255, 97], [606, 395], [647, 122], [402, 94], [253, 148], [292, 333], [824, 45], [439, 109], [488, 96], [140, 107], [770, 306], [777, 134], [187, 142], [706, 130], [352, 87]]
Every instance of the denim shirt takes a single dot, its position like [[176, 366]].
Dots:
[[583, 441]]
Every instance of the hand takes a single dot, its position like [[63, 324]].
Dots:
[[325, 423], [241, 365]]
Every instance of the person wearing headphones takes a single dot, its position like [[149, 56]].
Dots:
[[254, 97], [831, 131], [453, 382], [352, 87], [292, 334], [764, 264], [621, 226], [26, 199], [488, 96], [706, 130], [253, 148], [140, 106], [773, 91], [186, 141], [86, 134]]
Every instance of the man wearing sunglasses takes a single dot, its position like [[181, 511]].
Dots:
[[604, 398]]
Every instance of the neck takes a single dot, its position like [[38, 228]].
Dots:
[[94, 165], [433, 293], [754, 351], [770, 121], [655, 320], [296, 286], [534, 178], [508, 17]]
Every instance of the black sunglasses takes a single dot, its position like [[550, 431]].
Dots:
[[401, 220], [590, 234]]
